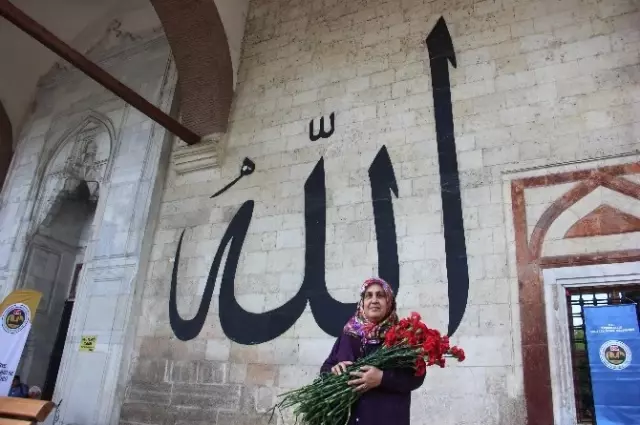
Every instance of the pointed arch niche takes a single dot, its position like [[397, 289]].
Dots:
[[79, 163], [584, 217], [70, 184]]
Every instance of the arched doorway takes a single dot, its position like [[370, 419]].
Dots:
[[55, 260], [58, 242]]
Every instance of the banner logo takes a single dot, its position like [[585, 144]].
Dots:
[[15, 318], [615, 355]]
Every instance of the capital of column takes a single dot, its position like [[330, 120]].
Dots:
[[201, 156]]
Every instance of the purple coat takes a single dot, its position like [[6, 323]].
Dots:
[[387, 404]]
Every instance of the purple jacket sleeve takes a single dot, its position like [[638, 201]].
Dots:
[[400, 380], [342, 351]]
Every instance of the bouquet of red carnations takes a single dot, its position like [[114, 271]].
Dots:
[[409, 344]]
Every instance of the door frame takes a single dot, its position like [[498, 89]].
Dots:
[[556, 281]]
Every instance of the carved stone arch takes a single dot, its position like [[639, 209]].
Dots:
[[75, 166], [582, 189], [76, 127]]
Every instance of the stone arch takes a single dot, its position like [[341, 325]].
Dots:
[[563, 203], [604, 212], [200, 48], [80, 123], [75, 166], [6, 144], [201, 51]]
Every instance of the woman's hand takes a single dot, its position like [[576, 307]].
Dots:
[[368, 377], [340, 368]]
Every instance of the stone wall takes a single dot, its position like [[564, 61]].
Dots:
[[536, 83]]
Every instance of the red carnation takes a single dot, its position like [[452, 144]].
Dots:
[[458, 353], [409, 343]]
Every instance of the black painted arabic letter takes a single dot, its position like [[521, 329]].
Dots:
[[247, 168], [383, 184], [321, 132], [186, 330], [441, 52], [238, 324], [330, 314]]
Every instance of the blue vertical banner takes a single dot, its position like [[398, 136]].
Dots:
[[613, 344]]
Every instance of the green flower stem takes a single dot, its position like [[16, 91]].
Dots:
[[328, 399]]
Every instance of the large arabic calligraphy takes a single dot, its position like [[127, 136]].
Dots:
[[255, 328]]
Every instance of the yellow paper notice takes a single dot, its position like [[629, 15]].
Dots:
[[88, 343]]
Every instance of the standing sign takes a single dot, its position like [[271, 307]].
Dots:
[[16, 315], [613, 342]]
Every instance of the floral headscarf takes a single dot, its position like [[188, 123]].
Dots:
[[369, 332]]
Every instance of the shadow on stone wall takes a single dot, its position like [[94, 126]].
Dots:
[[6, 144]]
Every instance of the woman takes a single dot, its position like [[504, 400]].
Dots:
[[386, 394]]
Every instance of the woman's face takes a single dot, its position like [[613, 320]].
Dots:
[[375, 303]]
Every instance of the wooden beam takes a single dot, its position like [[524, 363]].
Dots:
[[21, 20]]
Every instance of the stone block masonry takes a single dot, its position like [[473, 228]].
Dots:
[[537, 83]]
